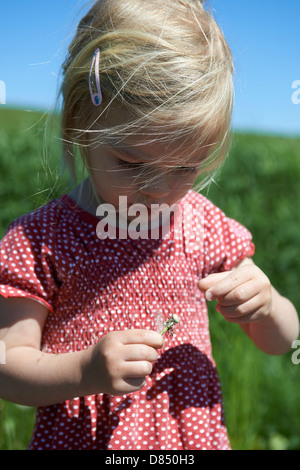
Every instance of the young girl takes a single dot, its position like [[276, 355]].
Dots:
[[147, 100]]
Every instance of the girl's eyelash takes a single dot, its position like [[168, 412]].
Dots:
[[124, 163], [129, 165], [188, 169], [134, 165]]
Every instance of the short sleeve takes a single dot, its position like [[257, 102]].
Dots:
[[226, 241], [26, 269]]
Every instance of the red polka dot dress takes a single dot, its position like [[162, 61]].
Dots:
[[93, 286]]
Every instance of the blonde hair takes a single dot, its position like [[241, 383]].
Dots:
[[165, 61]]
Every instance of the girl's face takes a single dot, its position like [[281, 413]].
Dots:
[[140, 175], [142, 172]]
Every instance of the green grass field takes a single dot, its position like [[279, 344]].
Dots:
[[259, 186]]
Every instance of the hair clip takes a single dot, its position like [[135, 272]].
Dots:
[[94, 81]]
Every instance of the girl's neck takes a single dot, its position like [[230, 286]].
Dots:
[[85, 197]]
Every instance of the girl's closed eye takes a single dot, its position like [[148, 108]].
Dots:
[[139, 165], [188, 169], [129, 165], [124, 160]]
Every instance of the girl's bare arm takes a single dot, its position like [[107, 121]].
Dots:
[[117, 364]]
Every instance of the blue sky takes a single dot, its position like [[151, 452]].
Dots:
[[263, 35]]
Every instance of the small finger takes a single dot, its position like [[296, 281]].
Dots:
[[239, 295], [211, 280], [147, 337], [252, 310], [227, 285], [140, 352], [134, 384], [137, 369]]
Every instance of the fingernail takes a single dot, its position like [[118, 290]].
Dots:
[[209, 296]]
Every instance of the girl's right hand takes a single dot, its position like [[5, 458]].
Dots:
[[119, 363]]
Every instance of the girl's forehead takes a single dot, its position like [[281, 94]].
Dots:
[[151, 144]]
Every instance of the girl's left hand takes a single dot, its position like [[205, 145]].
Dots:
[[244, 294]]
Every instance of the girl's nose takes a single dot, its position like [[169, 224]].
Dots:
[[156, 188]]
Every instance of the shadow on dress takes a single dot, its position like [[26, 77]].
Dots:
[[190, 380]]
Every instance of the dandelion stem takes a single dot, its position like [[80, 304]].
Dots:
[[170, 323]]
